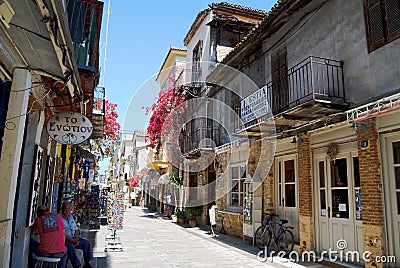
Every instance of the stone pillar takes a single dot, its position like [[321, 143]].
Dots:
[[305, 189], [268, 192], [371, 191], [10, 157]]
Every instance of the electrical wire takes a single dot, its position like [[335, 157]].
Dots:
[[12, 125]]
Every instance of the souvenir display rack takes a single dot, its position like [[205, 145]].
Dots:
[[94, 207], [115, 209]]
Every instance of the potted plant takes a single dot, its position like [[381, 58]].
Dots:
[[193, 209], [180, 215]]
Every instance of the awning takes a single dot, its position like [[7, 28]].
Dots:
[[164, 179]]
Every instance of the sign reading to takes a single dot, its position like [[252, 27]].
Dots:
[[69, 128], [254, 106]]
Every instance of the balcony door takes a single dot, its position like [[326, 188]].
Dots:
[[280, 89]]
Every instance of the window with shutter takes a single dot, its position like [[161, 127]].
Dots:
[[382, 21]]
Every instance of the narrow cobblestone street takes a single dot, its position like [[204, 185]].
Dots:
[[150, 241]]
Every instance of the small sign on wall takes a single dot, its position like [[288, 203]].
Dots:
[[365, 144]]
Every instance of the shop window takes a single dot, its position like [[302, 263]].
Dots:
[[322, 192], [357, 189], [238, 176], [382, 21], [396, 160]]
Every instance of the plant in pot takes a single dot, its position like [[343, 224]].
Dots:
[[193, 209], [180, 215]]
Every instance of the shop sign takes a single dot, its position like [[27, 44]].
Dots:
[[69, 128], [254, 106]]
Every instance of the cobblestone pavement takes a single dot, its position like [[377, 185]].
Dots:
[[151, 241]]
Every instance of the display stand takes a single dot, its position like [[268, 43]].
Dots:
[[94, 207], [115, 208]]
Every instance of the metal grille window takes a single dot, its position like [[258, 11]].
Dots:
[[382, 21]]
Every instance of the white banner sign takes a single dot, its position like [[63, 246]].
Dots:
[[254, 106], [69, 128]]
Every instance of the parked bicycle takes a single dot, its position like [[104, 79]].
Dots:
[[283, 238]]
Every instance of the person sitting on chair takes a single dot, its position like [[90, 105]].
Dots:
[[72, 239], [51, 231]]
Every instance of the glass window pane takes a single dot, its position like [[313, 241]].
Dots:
[[241, 189], [290, 195], [289, 171], [241, 200], [279, 195], [340, 203], [235, 173], [279, 172], [396, 152], [235, 199], [321, 166], [339, 173], [358, 204], [235, 186], [323, 200], [356, 174], [398, 202], [397, 177], [243, 171]]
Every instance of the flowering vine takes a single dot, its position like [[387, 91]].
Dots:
[[160, 123], [111, 127]]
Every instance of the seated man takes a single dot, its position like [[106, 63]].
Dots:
[[52, 236], [72, 240]]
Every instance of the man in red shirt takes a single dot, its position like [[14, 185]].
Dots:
[[51, 235]]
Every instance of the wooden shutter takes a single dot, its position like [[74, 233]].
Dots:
[[375, 24], [392, 8]]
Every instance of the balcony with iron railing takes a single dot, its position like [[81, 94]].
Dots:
[[84, 17], [98, 112], [312, 89], [202, 138]]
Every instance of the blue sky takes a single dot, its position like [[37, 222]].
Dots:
[[139, 36]]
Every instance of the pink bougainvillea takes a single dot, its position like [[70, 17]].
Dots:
[[160, 122], [111, 127]]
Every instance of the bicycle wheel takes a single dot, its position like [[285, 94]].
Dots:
[[285, 241], [262, 237]]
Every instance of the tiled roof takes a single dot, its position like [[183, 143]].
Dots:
[[265, 24], [201, 15], [243, 8]]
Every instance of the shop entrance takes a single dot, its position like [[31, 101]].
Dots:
[[392, 189], [339, 202], [287, 193]]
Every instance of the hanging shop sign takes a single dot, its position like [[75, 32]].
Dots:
[[69, 128]]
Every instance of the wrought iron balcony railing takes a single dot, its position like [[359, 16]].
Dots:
[[313, 79]]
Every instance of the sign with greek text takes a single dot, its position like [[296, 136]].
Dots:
[[69, 128], [254, 106]]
